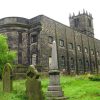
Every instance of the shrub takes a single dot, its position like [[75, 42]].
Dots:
[[6, 55], [94, 78]]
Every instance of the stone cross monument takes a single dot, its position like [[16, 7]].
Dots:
[[54, 89], [33, 84]]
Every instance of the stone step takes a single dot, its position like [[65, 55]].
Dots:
[[54, 93], [54, 88], [57, 98]]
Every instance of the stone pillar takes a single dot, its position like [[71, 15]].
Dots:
[[54, 89], [7, 78]]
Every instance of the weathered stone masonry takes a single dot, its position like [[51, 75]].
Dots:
[[78, 50]]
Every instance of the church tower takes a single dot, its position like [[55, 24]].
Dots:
[[82, 22]]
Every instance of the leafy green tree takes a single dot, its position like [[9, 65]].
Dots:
[[6, 55]]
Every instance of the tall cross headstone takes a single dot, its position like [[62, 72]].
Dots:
[[54, 89], [33, 84]]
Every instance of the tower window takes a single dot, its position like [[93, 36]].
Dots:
[[90, 24], [76, 22]]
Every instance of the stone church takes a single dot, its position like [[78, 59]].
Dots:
[[78, 50]]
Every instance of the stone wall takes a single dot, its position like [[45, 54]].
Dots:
[[80, 52], [32, 39]]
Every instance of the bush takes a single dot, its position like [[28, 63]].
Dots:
[[94, 78], [6, 55]]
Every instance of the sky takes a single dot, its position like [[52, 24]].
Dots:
[[58, 10]]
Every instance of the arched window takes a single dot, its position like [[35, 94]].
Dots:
[[62, 61], [92, 52], [93, 66], [80, 61], [72, 63], [87, 66], [79, 48], [97, 53], [85, 50], [70, 45], [61, 43], [87, 63], [80, 64]]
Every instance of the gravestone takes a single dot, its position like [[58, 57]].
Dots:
[[7, 78], [33, 84], [54, 91]]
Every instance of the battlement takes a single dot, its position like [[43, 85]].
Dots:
[[84, 12]]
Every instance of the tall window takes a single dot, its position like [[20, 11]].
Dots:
[[85, 50], [87, 65], [72, 63], [70, 45], [90, 24], [80, 61], [97, 53], [76, 22], [50, 39], [33, 38], [61, 43], [93, 66], [79, 48], [92, 52], [80, 65], [62, 61]]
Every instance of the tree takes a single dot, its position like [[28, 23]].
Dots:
[[6, 55]]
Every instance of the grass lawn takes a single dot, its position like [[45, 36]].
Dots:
[[75, 88]]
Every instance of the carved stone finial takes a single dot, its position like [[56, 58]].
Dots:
[[70, 16], [79, 13], [83, 11], [73, 14]]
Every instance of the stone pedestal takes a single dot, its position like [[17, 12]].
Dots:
[[54, 91]]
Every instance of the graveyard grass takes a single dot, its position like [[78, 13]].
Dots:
[[75, 88]]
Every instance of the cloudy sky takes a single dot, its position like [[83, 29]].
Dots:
[[58, 10]]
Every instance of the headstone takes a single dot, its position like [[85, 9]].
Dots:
[[33, 84], [7, 78], [54, 91]]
